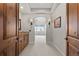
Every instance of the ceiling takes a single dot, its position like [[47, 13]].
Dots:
[[28, 8], [40, 5]]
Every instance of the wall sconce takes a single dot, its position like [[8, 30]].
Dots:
[[49, 23], [31, 21]]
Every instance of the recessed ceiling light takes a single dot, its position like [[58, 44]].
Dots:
[[21, 7]]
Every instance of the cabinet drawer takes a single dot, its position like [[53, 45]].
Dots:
[[73, 41]]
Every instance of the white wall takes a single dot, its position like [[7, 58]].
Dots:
[[32, 35], [60, 33], [25, 26], [55, 36], [25, 23], [49, 33]]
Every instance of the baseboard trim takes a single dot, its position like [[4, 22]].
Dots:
[[59, 50], [53, 45]]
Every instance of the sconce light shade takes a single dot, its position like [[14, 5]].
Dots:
[[31, 23], [49, 23]]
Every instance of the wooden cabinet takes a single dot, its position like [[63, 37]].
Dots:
[[8, 28], [16, 47], [23, 40], [26, 39], [73, 29], [20, 46]]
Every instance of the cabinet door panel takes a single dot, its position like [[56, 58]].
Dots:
[[1, 53], [11, 49], [73, 51], [73, 19], [11, 20]]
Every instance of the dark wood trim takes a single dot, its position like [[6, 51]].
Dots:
[[17, 30], [67, 11], [17, 17]]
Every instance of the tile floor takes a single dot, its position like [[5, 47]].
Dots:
[[40, 48]]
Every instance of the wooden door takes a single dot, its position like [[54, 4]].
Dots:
[[73, 46], [78, 20], [1, 53], [73, 51], [10, 21], [72, 35], [72, 19], [1, 25], [11, 47], [1, 21], [9, 14]]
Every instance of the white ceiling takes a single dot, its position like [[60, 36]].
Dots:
[[40, 5], [36, 7], [25, 8], [40, 9]]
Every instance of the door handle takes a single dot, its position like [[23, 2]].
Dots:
[[65, 38]]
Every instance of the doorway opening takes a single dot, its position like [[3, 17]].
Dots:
[[40, 34]]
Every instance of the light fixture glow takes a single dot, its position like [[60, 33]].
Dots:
[[21, 7]]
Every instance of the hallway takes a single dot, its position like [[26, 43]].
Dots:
[[40, 48], [39, 29]]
